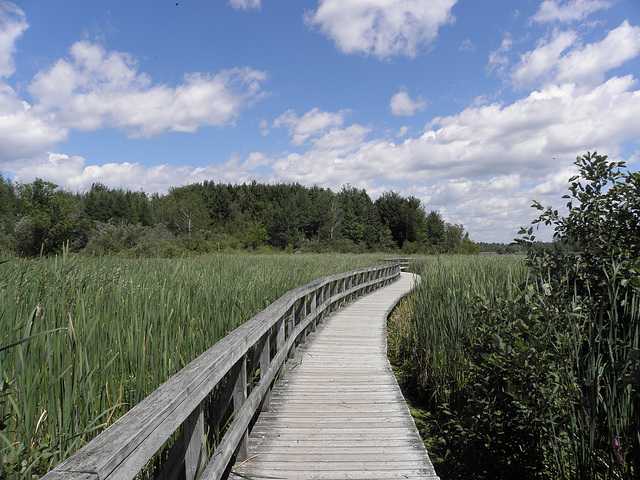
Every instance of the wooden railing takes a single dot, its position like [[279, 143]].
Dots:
[[215, 399], [403, 261]]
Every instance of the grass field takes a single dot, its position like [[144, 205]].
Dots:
[[83, 340]]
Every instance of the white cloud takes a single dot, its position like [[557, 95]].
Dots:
[[485, 164], [588, 65], [94, 89], [498, 59], [97, 89], [487, 140], [312, 124], [568, 11], [402, 104], [24, 134], [12, 24], [468, 46], [72, 172], [542, 61], [245, 4], [482, 167], [554, 61], [381, 28], [402, 131]]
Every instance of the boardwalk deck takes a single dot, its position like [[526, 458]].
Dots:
[[338, 412]]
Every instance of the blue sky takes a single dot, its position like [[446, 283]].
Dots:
[[476, 108]]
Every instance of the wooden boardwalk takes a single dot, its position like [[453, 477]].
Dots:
[[338, 412]]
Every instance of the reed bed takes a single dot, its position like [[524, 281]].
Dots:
[[84, 340], [438, 326], [524, 380]]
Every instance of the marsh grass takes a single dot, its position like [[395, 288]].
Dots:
[[522, 379], [431, 335], [85, 339]]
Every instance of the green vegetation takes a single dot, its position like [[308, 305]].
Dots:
[[82, 340], [533, 371], [39, 218]]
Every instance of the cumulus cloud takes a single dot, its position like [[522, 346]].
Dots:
[[543, 60], [74, 173], [381, 29], [568, 11], [12, 24], [245, 4], [312, 123], [487, 161], [402, 104], [23, 133], [96, 89], [490, 139], [480, 167], [554, 61]]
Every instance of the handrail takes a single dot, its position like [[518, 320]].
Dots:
[[403, 261], [257, 348]]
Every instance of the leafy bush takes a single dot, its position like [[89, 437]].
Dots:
[[542, 379]]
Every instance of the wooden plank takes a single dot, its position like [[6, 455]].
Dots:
[[338, 412], [193, 435]]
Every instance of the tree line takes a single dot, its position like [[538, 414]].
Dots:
[[38, 218]]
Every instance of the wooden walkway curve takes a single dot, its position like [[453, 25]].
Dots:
[[338, 412]]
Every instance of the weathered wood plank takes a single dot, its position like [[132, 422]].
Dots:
[[338, 411]]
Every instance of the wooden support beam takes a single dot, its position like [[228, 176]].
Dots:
[[265, 360], [193, 434], [239, 397]]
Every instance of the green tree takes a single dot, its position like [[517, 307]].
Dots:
[[51, 218], [435, 230], [454, 235], [602, 225], [404, 217], [8, 213], [102, 204], [360, 222], [185, 210]]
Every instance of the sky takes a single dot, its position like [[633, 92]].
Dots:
[[476, 108]]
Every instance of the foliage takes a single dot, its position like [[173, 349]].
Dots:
[[540, 377], [51, 218], [102, 204], [38, 218], [603, 225], [603, 280]]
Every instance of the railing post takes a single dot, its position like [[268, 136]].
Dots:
[[291, 321], [312, 307], [265, 360], [239, 397], [301, 313], [193, 432]]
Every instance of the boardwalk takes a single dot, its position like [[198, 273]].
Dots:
[[338, 412]]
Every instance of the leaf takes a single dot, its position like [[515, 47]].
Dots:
[[29, 338]]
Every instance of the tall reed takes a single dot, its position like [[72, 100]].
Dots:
[[522, 376], [83, 340], [433, 345]]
